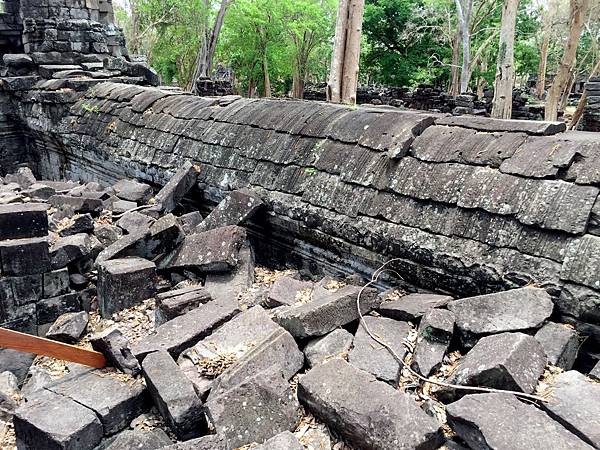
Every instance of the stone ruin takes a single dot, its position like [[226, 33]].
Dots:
[[591, 115], [283, 275]]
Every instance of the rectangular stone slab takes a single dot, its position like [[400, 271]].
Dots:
[[23, 221], [366, 412], [24, 256], [487, 124], [185, 331]]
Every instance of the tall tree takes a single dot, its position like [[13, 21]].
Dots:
[[464, 9], [345, 64], [578, 12], [505, 70]]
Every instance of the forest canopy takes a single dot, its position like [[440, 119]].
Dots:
[[274, 47]]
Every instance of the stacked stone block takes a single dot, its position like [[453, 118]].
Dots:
[[591, 116]]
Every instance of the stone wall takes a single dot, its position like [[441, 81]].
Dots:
[[591, 116], [468, 205]]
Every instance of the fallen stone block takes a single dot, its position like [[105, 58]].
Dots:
[[202, 362], [560, 343], [236, 209], [174, 395], [476, 419], [255, 410], [190, 221], [178, 302], [235, 283], [81, 223], [21, 221], [50, 309], [52, 421], [71, 249], [115, 402], [56, 282], [16, 362], [434, 336], [277, 353], [115, 347], [133, 244], [133, 191], [516, 310], [37, 378], [336, 344], [24, 256], [135, 222], [10, 394], [164, 236], [412, 306], [511, 361], [123, 283], [39, 191], [79, 205], [139, 439], [210, 442], [107, 234], [283, 441], [287, 291], [69, 327], [122, 206], [177, 187], [185, 331], [324, 314], [575, 403], [23, 177], [367, 413], [211, 251], [372, 357]]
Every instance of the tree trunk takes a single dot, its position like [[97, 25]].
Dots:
[[334, 86], [455, 80], [352, 53], [134, 44], [505, 70], [267, 79], [463, 8], [583, 100], [540, 87], [579, 10], [206, 69]]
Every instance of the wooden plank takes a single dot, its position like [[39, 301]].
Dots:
[[45, 347]]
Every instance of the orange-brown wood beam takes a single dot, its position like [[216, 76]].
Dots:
[[45, 347]]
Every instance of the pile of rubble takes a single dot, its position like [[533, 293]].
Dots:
[[210, 352]]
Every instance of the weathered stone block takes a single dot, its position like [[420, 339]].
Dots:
[[139, 439], [412, 306], [434, 336], [22, 221], [177, 187], [56, 283], [133, 191], [115, 402], [370, 356], [174, 395], [236, 209], [475, 419], [336, 344], [55, 422], [24, 256], [69, 327], [115, 347], [560, 343], [50, 309], [178, 302], [123, 283], [326, 313], [18, 291], [73, 249], [367, 413]]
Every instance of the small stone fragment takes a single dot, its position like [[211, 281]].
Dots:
[[107, 234], [511, 361], [236, 209], [367, 413], [372, 357], [283, 441], [69, 327], [10, 395], [123, 283], [412, 306], [115, 347], [434, 336], [174, 395], [476, 419], [560, 343], [336, 344]]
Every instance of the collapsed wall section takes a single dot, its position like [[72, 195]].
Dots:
[[467, 205]]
